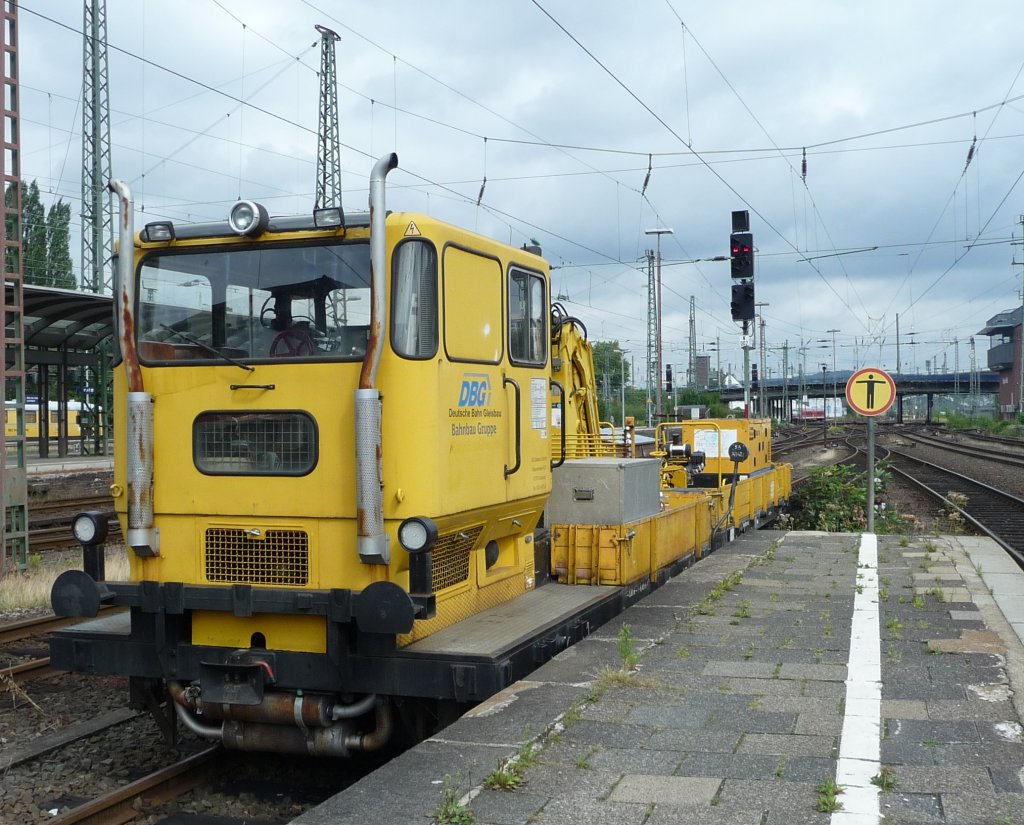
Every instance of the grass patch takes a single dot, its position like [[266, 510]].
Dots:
[[627, 648], [827, 793], [451, 810], [885, 779], [30, 588], [509, 774]]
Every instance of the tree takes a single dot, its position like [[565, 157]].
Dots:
[[45, 238], [610, 369], [33, 235], [11, 229], [59, 269]]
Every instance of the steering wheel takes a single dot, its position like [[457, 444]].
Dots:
[[292, 343]]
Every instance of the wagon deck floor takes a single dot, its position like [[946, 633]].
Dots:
[[509, 625]]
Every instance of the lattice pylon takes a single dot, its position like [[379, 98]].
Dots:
[[97, 208], [13, 478], [328, 156]]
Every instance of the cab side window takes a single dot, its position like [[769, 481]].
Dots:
[[527, 318], [414, 300]]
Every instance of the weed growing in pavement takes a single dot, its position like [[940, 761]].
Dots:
[[730, 582], [827, 793], [894, 626], [883, 594], [705, 608], [451, 810], [742, 610], [573, 714], [583, 762], [919, 601], [683, 653], [885, 779], [892, 653], [952, 517], [749, 652], [937, 592], [627, 648], [767, 556], [503, 778], [509, 774], [904, 541]]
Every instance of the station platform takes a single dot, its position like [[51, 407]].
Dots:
[[69, 464], [782, 661]]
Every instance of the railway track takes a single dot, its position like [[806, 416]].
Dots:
[[995, 513], [999, 454], [118, 806], [50, 521]]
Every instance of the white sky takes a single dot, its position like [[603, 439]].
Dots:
[[725, 106]]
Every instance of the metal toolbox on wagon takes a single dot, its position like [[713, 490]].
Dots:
[[604, 491]]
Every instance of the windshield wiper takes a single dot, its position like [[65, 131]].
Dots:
[[212, 350]]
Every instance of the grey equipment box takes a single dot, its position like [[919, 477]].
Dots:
[[604, 491]]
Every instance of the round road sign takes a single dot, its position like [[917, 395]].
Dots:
[[870, 391]]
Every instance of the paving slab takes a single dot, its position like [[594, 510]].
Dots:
[[824, 661]]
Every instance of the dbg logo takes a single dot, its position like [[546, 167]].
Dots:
[[475, 391]]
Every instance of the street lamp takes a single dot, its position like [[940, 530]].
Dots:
[[833, 331], [658, 233], [824, 409]]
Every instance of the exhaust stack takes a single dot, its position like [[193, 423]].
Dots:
[[142, 536], [372, 542]]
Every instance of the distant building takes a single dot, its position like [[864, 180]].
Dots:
[[702, 368], [1004, 357]]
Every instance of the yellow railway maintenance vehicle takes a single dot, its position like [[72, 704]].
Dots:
[[336, 436]]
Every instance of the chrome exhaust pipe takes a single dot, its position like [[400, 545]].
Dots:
[[372, 542]]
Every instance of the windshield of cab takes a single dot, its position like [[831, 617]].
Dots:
[[257, 303]]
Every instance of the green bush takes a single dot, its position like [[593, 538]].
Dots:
[[834, 499]]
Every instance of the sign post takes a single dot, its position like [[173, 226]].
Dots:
[[870, 392]]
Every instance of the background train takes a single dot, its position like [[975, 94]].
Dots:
[[33, 413], [347, 448]]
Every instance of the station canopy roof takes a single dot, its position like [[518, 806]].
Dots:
[[65, 319]]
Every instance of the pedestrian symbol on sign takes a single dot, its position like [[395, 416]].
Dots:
[[870, 391]]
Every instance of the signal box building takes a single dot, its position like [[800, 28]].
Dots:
[[1004, 357]]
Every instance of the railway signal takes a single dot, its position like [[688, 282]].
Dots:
[[742, 255], [742, 304]]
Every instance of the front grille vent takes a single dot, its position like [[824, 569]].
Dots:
[[451, 557], [269, 557]]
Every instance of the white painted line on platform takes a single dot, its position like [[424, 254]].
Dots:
[[860, 743]]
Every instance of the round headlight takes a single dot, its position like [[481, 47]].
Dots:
[[417, 534], [248, 218], [89, 527]]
